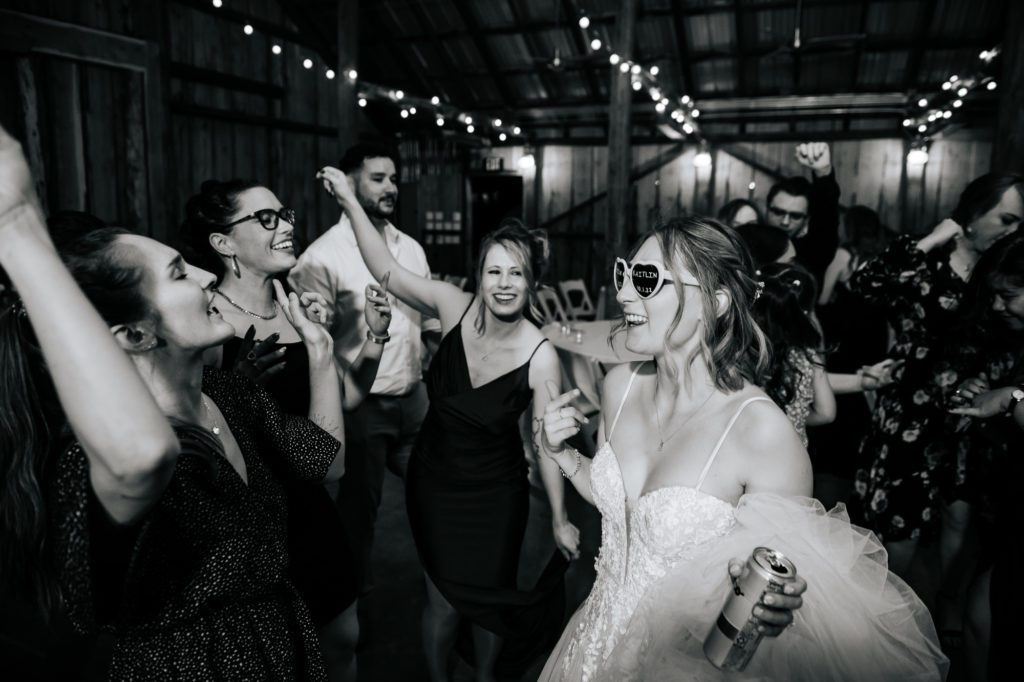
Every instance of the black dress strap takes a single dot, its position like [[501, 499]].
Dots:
[[466, 310], [542, 342]]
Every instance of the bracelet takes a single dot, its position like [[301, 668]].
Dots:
[[379, 340], [579, 464]]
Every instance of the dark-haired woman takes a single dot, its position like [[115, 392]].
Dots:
[[740, 212], [171, 541], [466, 490], [919, 282], [696, 468], [243, 233]]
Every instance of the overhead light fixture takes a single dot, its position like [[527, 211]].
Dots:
[[918, 156], [655, 70], [247, 29], [330, 74], [527, 162], [595, 44]]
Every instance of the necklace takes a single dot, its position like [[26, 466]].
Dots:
[[209, 415], [244, 310], [661, 436]]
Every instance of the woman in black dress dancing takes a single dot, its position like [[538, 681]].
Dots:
[[241, 232], [467, 491]]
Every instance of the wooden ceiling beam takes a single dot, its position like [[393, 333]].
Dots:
[[533, 44], [466, 14], [448, 64], [593, 89]]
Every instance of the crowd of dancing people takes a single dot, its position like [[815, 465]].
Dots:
[[194, 438]]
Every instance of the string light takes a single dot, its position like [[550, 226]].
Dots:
[[947, 85], [330, 74], [440, 121], [688, 129], [921, 128], [399, 94], [655, 70], [991, 85], [470, 129], [907, 123], [218, 3], [362, 102], [695, 113], [307, 63], [247, 29], [624, 67], [636, 69], [404, 113], [502, 137], [922, 102], [702, 159], [752, 186], [637, 85], [918, 156], [516, 130], [412, 111], [595, 44], [352, 74], [584, 22], [497, 123], [947, 114], [435, 100], [957, 103], [275, 48], [469, 120], [659, 107], [962, 92], [685, 99], [613, 58]]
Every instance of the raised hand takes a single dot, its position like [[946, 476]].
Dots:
[[775, 612], [305, 318], [561, 420], [377, 310], [338, 185], [258, 360], [815, 155]]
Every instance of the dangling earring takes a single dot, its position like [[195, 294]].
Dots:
[[234, 267], [149, 346]]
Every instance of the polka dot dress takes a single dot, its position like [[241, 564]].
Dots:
[[201, 591]]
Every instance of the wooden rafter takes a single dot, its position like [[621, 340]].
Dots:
[[569, 8], [552, 88], [920, 44], [439, 48], [466, 14]]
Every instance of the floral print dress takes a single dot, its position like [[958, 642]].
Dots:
[[904, 460]]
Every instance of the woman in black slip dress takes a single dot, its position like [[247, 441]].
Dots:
[[466, 490], [240, 231]]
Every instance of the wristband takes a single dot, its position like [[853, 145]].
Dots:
[[379, 340]]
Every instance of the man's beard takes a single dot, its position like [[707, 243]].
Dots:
[[373, 209]]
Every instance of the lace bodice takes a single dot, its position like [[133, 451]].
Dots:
[[640, 544]]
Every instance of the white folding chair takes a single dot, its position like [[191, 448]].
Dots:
[[577, 299], [551, 306], [460, 282]]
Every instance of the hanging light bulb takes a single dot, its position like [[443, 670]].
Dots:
[[637, 85], [624, 67], [947, 85], [947, 114], [921, 128], [957, 103], [469, 119], [516, 130], [502, 137], [655, 94], [991, 85], [412, 111], [218, 3], [688, 129], [907, 123], [961, 92], [752, 186], [435, 100], [352, 74], [613, 58], [702, 159], [595, 44], [655, 70], [685, 99], [918, 156], [275, 48], [954, 78], [695, 113], [247, 29], [527, 162], [330, 74], [399, 94], [470, 129], [307, 63], [922, 102], [584, 21], [404, 113], [636, 69], [440, 121], [496, 123], [362, 102], [660, 107]]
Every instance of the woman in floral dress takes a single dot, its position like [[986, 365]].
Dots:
[[919, 284]]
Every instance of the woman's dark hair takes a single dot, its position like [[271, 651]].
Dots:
[[732, 344], [529, 248], [31, 421], [783, 311], [866, 237], [727, 214], [208, 213], [983, 194], [766, 244], [999, 269]]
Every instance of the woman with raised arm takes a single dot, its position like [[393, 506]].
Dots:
[[696, 468], [166, 513], [467, 490], [241, 232]]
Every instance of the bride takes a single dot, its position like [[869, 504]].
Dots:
[[695, 469]]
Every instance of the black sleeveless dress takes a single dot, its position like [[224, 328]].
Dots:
[[467, 497], [321, 563]]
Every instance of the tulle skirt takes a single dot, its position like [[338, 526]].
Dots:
[[858, 621]]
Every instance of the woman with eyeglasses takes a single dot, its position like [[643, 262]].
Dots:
[[158, 519], [467, 491], [696, 467], [241, 232]]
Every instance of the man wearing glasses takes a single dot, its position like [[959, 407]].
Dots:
[[809, 211], [381, 432]]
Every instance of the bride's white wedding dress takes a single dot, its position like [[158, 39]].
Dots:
[[662, 577]]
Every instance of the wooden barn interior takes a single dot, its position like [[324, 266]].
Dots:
[[126, 107]]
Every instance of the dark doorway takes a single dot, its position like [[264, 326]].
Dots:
[[492, 198]]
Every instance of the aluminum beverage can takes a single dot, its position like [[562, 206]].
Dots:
[[734, 637]]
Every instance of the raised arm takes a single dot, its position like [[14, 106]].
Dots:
[[129, 442], [431, 297], [545, 370]]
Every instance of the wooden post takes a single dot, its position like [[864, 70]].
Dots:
[[30, 113], [1006, 153], [348, 50], [619, 156]]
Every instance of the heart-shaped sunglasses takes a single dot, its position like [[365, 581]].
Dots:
[[647, 277]]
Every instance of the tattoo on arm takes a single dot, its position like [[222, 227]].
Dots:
[[538, 435]]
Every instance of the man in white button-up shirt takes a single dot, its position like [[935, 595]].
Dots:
[[381, 432]]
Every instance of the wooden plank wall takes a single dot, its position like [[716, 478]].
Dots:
[[868, 171]]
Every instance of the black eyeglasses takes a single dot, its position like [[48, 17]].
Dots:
[[794, 216], [268, 218]]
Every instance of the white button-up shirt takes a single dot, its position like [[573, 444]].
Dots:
[[333, 267]]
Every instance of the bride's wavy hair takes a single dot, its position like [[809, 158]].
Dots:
[[732, 344]]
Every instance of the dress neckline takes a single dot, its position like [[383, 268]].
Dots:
[[465, 364]]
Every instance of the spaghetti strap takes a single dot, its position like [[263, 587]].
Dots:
[[467, 310], [728, 428], [623, 402], [542, 342]]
